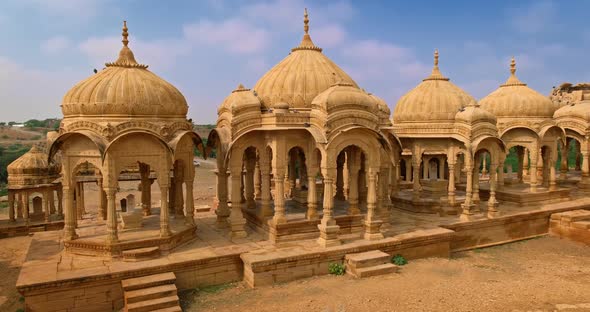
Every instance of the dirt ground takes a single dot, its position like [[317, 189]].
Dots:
[[12, 254], [545, 274]]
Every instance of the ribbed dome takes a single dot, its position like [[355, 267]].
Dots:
[[575, 110], [434, 99], [515, 99], [474, 113], [381, 104], [344, 94], [124, 88], [300, 77], [32, 168], [240, 97]]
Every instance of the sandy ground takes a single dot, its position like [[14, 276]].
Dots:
[[12, 254], [546, 274]]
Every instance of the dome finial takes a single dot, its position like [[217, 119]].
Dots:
[[126, 57], [306, 43], [513, 80], [436, 74], [125, 34], [305, 21], [436, 58]]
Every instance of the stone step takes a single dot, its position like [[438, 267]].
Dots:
[[374, 270], [367, 259], [139, 254], [170, 309], [154, 292], [202, 208], [576, 215], [153, 304], [148, 281], [583, 225]]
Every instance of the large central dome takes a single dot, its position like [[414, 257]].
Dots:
[[301, 76], [124, 89]]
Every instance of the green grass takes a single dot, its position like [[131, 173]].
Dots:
[[213, 289], [336, 269]]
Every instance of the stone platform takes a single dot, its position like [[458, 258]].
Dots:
[[20, 227], [521, 195], [54, 280], [92, 241]]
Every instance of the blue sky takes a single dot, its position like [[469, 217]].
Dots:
[[205, 48]]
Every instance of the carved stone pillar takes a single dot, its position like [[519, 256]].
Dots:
[[51, 199], [416, 168], [468, 206], [11, 206], [79, 202], [26, 207], [408, 163], [534, 154], [112, 236], [236, 218], [19, 205], [492, 202], [164, 209], [500, 173], [340, 176], [189, 202], [265, 195], [249, 182], [222, 210], [102, 203], [146, 189], [279, 215], [257, 181], [525, 162], [451, 186], [328, 227], [46, 207], [425, 165], [577, 150], [312, 200], [585, 181], [520, 156], [383, 200], [372, 222], [60, 200], [475, 196], [70, 217], [441, 168]]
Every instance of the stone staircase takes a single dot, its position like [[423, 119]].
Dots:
[[155, 292], [370, 263]]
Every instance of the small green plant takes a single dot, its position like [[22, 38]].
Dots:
[[336, 269], [399, 260], [20, 310], [21, 299]]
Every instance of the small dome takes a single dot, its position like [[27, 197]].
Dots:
[[300, 77], [381, 104], [32, 168], [434, 99], [124, 88], [474, 113], [575, 110], [515, 99], [239, 98], [344, 94]]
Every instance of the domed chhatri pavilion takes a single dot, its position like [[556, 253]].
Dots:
[[525, 122], [309, 135], [442, 129], [127, 119], [32, 178]]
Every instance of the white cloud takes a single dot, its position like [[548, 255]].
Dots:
[[55, 45]]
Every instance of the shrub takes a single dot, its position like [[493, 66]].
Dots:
[[336, 269], [399, 260]]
